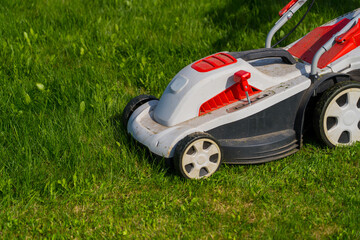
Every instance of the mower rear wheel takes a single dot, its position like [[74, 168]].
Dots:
[[133, 105], [337, 115], [197, 156]]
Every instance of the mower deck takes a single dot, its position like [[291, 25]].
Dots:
[[232, 125]]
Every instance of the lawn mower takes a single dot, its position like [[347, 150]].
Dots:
[[249, 107]]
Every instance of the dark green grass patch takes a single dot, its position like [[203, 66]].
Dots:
[[67, 168]]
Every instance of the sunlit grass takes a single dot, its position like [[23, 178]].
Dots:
[[67, 168]]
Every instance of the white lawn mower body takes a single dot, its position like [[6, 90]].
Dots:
[[249, 107]]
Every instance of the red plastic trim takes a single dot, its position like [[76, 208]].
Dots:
[[242, 78], [213, 62], [307, 47], [345, 43], [287, 7], [228, 96]]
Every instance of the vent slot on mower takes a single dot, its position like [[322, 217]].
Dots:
[[213, 62]]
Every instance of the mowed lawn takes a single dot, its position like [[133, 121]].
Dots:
[[67, 168]]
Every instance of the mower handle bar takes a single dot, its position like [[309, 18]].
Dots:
[[328, 45], [284, 18]]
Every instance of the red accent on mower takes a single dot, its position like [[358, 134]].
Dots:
[[242, 78], [213, 62], [240, 90], [306, 48], [287, 7], [345, 43]]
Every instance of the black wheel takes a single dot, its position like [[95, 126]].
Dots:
[[337, 115], [198, 155], [133, 105]]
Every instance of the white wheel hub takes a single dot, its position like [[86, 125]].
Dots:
[[349, 118], [342, 118], [201, 158]]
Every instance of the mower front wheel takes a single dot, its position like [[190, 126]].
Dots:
[[133, 105], [197, 156]]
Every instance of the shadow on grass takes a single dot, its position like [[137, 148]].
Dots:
[[155, 161], [237, 17], [241, 19]]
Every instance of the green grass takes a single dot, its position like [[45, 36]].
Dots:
[[67, 169]]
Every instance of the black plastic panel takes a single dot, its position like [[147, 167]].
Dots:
[[259, 149], [265, 53], [265, 136], [278, 117]]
